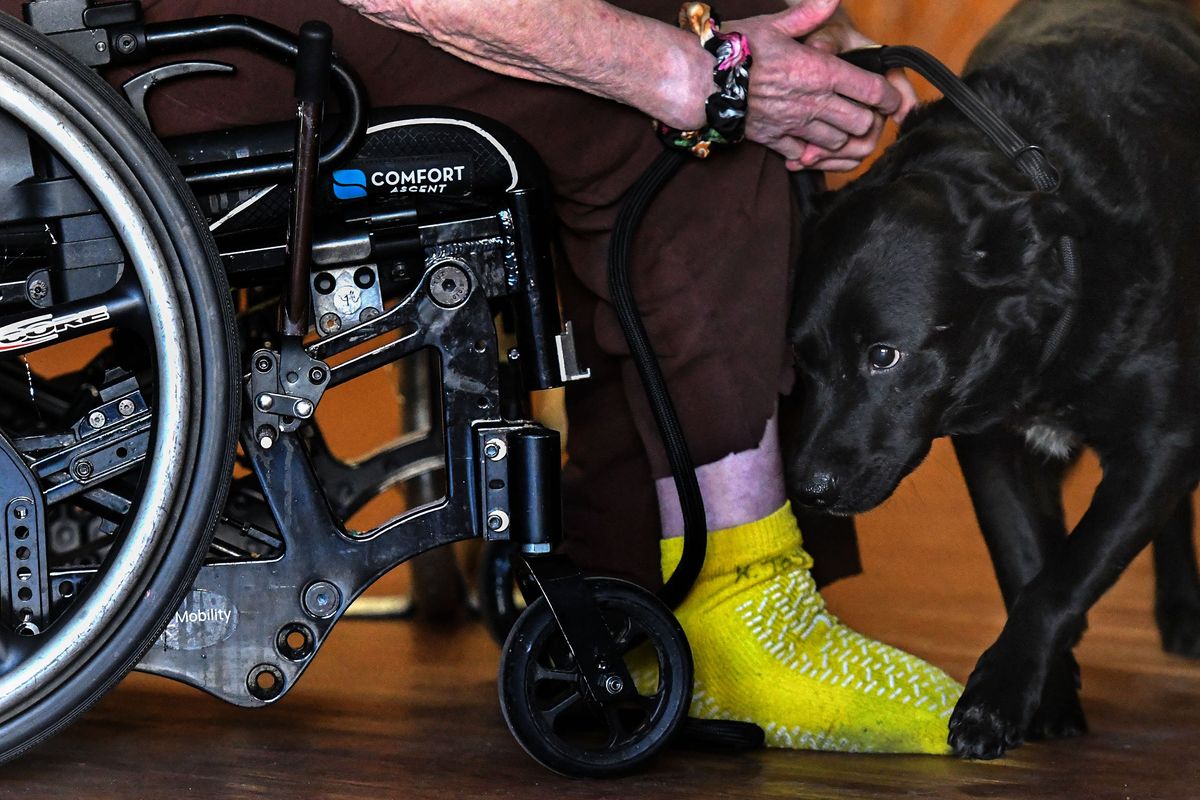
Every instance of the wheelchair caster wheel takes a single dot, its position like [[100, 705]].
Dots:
[[546, 704], [500, 600]]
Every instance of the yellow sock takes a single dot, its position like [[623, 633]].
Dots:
[[767, 651]]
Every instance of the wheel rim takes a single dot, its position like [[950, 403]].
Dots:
[[83, 626]]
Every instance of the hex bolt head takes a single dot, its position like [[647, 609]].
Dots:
[[96, 419], [262, 364], [614, 685], [265, 402], [322, 600], [304, 409], [83, 470], [496, 522], [126, 407], [495, 449]]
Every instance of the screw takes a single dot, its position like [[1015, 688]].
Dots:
[[126, 43], [514, 354], [265, 401], [496, 521], [266, 436], [20, 512], [101, 47], [126, 407], [330, 323], [83, 470], [322, 599], [614, 685], [304, 409], [262, 364], [316, 375], [38, 289], [369, 313], [97, 419], [495, 449]]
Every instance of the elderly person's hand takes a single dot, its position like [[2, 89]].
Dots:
[[807, 104]]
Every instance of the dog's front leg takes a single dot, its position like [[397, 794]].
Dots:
[[1137, 493], [1017, 497]]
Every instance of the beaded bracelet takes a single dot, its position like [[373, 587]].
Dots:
[[725, 108]]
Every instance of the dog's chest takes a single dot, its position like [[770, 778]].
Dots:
[[1050, 438]]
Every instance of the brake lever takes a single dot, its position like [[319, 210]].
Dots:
[[137, 87]]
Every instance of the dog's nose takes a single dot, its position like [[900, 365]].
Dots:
[[818, 490]]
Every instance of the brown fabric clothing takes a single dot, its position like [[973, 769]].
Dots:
[[710, 266]]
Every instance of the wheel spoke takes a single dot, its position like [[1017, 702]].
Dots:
[[551, 715], [541, 673], [616, 728]]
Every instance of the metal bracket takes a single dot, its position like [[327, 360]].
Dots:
[[285, 389], [568, 358], [137, 87]]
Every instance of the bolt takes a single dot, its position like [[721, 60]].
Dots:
[[101, 47], [266, 436], [304, 409], [614, 685], [322, 599], [265, 402], [316, 375], [330, 323], [126, 43], [83, 470], [495, 449], [21, 512], [97, 419], [495, 522], [126, 407], [514, 354], [38, 289], [262, 364], [369, 313]]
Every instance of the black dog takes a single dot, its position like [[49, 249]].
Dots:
[[925, 304]]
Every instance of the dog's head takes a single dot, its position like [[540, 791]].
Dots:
[[920, 308]]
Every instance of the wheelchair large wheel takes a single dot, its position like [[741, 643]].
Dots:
[[109, 537], [547, 707]]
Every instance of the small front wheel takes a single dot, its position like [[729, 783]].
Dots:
[[547, 706]]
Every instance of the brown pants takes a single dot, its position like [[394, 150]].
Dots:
[[710, 268]]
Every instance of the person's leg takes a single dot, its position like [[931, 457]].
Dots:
[[767, 650]]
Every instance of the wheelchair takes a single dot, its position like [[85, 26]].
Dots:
[[170, 503]]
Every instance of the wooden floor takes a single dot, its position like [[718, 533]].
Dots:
[[394, 710]]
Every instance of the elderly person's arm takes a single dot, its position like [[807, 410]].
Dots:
[[803, 100]]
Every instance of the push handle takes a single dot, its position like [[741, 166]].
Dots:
[[314, 61]]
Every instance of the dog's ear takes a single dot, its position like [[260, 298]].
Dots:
[[1012, 246]]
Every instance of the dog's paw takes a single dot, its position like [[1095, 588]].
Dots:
[[978, 731], [1179, 627], [994, 711], [1060, 715]]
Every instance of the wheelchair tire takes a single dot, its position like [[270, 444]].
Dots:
[[188, 315], [545, 704]]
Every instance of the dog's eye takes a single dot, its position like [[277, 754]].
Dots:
[[882, 357]]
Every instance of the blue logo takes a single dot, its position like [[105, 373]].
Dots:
[[349, 184]]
